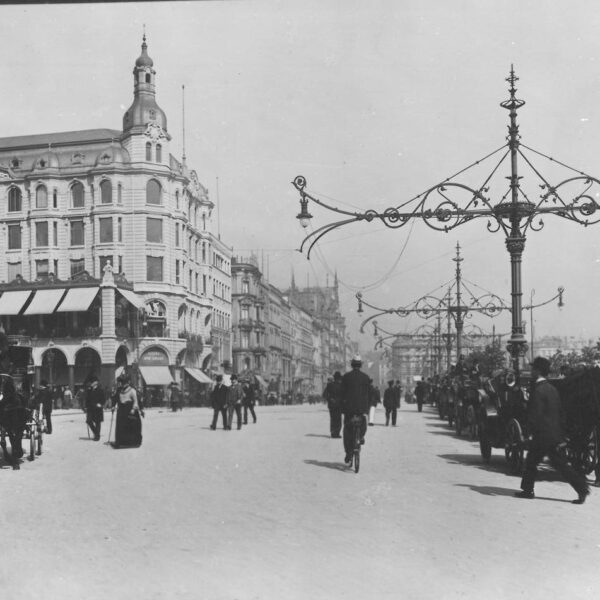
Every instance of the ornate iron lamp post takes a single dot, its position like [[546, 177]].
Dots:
[[514, 214]]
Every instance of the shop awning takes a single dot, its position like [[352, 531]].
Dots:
[[44, 302], [198, 375], [158, 375], [261, 381], [12, 302], [78, 299], [132, 297]]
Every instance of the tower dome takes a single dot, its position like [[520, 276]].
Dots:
[[144, 110]]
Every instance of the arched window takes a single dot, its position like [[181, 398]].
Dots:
[[148, 151], [14, 199], [120, 194], [158, 153], [41, 197], [106, 192], [77, 195], [153, 192]]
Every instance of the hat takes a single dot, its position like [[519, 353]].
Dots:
[[92, 378], [541, 364], [219, 378], [356, 360], [337, 375]]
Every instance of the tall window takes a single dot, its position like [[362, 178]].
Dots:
[[54, 198], [204, 284], [204, 252], [14, 199], [106, 192], [55, 235], [245, 312], [245, 287], [120, 229], [177, 235], [41, 269], [153, 192], [77, 195], [154, 230], [41, 234], [177, 199], [14, 237], [77, 266], [244, 339], [14, 269], [148, 151], [77, 233], [158, 153], [106, 230], [119, 193], [177, 271], [41, 197], [154, 268]]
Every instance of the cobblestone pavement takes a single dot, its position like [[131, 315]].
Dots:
[[271, 513]]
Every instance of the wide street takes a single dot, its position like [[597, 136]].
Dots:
[[271, 512]]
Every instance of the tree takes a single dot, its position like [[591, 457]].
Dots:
[[490, 359]]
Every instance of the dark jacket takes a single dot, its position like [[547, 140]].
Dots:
[[390, 398], [93, 397], [333, 394], [420, 391], [44, 397], [356, 392], [544, 414], [375, 396], [218, 397]]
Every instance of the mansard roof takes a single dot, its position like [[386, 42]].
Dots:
[[58, 139]]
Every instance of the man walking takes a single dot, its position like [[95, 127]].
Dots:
[[546, 435], [391, 399], [248, 402], [420, 394], [94, 406], [398, 390], [44, 398], [234, 402], [355, 389], [332, 395], [218, 400]]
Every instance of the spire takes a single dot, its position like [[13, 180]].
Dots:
[[293, 284]]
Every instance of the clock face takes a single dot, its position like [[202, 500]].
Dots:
[[154, 132]]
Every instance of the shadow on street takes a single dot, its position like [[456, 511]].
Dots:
[[488, 490], [328, 465], [475, 460], [318, 435]]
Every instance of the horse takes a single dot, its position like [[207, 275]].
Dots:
[[14, 416]]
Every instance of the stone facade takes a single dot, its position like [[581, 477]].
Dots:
[[76, 202]]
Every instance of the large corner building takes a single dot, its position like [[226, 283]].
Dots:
[[109, 259]]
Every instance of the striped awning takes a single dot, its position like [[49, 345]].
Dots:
[[78, 299], [158, 375], [44, 302], [12, 302]]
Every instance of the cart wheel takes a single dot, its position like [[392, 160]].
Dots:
[[513, 448], [589, 455]]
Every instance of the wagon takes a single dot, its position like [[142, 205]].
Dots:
[[503, 419]]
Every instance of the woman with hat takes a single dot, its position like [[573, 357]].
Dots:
[[128, 430]]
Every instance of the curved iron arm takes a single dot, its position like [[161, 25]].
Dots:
[[559, 295]]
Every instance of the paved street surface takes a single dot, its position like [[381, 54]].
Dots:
[[271, 513]]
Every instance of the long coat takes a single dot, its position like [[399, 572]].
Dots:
[[544, 414], [93, 397], [389, 398], [356, 392], [333, 394], [218, 397]]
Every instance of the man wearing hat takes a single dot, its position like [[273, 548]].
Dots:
[[355, 391], [94, 406], [218, 400], [44, 397], [176, 401], [332, 395], [546, 435], [391, 399], [234, 402]]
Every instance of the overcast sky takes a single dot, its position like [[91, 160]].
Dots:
[[373, 102]]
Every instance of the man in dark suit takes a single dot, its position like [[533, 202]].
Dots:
[[218, 400], [391, 399], [546, 435], [44, 398], [356, 390], [332, 395], [94, 406]]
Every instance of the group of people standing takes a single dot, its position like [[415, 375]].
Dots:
[[230, 400]]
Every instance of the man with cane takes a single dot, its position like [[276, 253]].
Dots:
[[94, 405]]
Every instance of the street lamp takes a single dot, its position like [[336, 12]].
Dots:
[[531, 306], [514, 214]]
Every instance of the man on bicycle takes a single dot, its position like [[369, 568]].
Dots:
[[355, 395]]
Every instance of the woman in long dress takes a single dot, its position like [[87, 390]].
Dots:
[[128, 431]]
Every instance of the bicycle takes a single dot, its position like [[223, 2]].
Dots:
[[357, 422]]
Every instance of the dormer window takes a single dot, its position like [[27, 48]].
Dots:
[[15, 163], [42, 163], [152, 113]]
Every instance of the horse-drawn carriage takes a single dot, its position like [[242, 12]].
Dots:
[[503, 419], [18, 418]]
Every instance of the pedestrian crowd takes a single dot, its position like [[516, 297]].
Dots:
[[229, 400]]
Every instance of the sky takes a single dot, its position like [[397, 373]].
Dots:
[[373, 102]]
